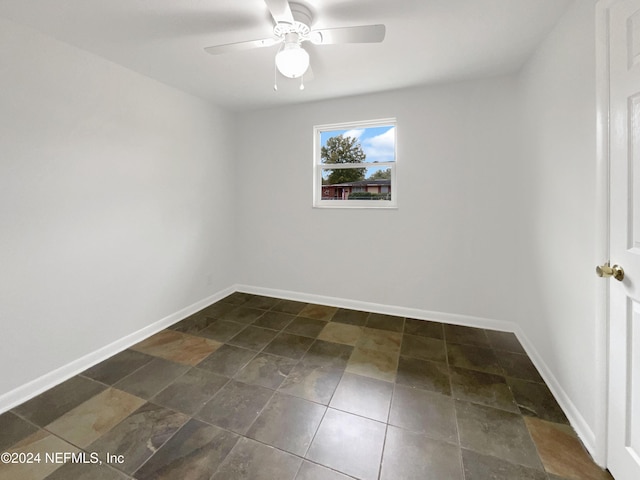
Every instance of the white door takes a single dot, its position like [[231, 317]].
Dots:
[[623, 446]]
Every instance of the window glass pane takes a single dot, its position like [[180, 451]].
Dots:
[[355, 161], [369, 145], [368, 183]]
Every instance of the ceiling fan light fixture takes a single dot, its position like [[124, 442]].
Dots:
[[292, 61]]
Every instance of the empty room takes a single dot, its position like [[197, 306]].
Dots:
[[319, 239]]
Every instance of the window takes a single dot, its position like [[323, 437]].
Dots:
[[355, 164]]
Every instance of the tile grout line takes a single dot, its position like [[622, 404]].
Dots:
[[393, 393], [386, 430], [163, 444], [455, 408]]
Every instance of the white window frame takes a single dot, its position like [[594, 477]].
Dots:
[[318, 166]]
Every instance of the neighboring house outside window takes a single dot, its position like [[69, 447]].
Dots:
[[341, 191]]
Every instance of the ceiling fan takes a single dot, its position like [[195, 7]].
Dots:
[[293, 27]]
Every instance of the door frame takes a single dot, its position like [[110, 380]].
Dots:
[[603, 225]]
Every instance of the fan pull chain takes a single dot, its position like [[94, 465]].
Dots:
[[275, 69], [275, 78]]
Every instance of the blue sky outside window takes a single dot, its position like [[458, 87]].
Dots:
[[378, 143]]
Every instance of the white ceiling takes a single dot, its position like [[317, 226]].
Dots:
[[427, 41]]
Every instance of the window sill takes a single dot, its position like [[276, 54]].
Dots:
[[356, 205]]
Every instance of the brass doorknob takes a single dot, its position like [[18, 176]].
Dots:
[[607, 271]]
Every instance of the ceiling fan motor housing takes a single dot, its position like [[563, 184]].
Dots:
[[302, 23]]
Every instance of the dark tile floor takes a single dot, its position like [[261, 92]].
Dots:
[[259, 388]]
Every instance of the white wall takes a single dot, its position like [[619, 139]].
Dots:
[[557, 284], [115, 203], [449, 247]]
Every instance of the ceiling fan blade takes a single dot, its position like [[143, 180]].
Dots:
[[361, 34], [240, 46], [280, 10]]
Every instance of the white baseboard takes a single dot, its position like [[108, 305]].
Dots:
[[455, 319], [57, 376], [45, 382], [577, 421]]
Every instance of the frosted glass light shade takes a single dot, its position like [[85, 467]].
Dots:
[[292, 61]]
